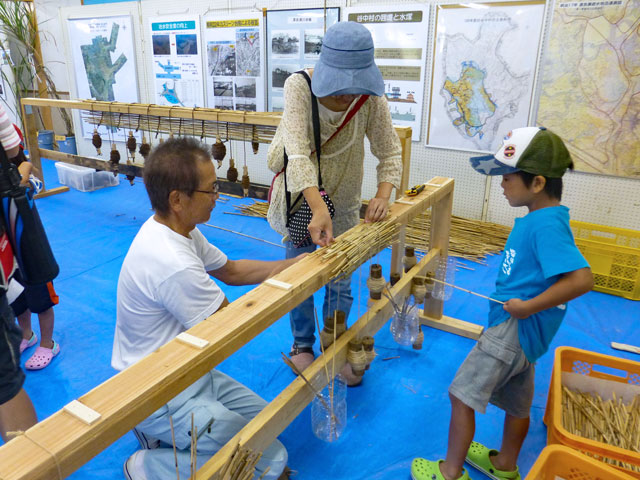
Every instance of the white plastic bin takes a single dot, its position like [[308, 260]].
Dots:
[[83, 178]]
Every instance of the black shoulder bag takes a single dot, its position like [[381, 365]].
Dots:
[[298, 221]]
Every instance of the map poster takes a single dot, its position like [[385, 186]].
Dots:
[[400, 40], [294, 38], [104, 67], [590, 92], [235, 60], [484, 64], [177, 63]]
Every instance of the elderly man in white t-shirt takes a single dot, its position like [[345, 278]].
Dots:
[[165, 287]]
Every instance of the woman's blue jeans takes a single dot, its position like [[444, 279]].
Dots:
[[337, 296]]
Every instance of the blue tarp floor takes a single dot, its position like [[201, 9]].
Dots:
[[399, 412]]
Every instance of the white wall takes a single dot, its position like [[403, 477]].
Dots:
[[594, 198]]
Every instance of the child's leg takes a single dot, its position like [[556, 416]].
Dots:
[[462, 427], [24, 320], [513, 435], [46, 319]]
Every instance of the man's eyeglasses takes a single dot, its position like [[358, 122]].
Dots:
[[214, 190]]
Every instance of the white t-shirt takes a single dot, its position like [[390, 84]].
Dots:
[[163, 290]]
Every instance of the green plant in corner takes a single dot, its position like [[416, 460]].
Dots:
[[19, 45]]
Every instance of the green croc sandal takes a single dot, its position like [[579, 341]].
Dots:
[[422, 469], [478, 457]]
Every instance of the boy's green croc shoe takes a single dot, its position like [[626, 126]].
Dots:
[[422, 469], [478, 456]]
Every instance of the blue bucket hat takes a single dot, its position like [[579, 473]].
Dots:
[[346, 65]]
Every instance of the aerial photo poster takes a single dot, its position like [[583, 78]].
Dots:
[[590, 92], [400, 39], [484, 64], [177, 63], [294, 38], [104, 64], [235, 62]]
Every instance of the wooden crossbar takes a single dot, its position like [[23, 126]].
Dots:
[[62, 443], [274, 418]]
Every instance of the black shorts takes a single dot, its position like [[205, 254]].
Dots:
[[37, 298], [11, 375]]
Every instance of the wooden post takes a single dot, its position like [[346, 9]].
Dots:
[[440, 227]]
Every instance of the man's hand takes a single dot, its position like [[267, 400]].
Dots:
[[376, 210], [518, 308], [321, 227]]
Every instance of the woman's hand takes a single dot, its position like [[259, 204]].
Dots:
[[321, 227], [376, 210]]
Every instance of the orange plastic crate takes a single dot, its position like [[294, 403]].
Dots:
[[594, 373], [614, 257], [557, 462]]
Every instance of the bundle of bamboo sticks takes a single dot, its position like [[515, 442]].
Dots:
[[612, 422], [182, 126], [470, 239], [357, 245], [241, 465]]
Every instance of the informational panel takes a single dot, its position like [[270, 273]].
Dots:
[[294, 38], [484, 66], [591, 84], [235, 62], [177, 61], [400, 37], [104, 63]]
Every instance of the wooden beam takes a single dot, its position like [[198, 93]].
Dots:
[[274, 418], [51, 191], [64, 443], [453, 325]]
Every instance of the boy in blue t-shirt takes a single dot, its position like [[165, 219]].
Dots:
[[541, 271]]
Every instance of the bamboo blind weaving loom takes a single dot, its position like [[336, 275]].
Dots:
[[60, 444]]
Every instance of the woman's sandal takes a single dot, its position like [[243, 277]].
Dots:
[[42, 357], [478, 456], [422, 469]]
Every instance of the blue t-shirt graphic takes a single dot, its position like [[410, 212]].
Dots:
[[539, 249]]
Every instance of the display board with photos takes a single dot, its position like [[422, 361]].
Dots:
[[235, 62], [176, 60], [103, 63], [400, 37], [483, 70], [294, 38]]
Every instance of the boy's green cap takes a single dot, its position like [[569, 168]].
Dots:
[[534, 150]]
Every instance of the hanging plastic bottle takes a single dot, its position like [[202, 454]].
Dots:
[[445, 272], [405, 325], [329, 411]]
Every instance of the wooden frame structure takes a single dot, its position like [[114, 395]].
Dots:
[[60, 444]]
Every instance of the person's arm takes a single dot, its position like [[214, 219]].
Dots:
[[25, 169], [569, 286], [8, 136], [386, 147], [250, 272]]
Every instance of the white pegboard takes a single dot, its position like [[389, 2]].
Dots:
[[594, 198]]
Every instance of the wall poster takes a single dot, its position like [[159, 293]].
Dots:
[[177, 62], [235, 62], [591, 85], [294, 38], [484, 65], [104, 68], [400, 39]]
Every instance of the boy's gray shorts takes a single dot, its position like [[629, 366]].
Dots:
[[497, 371]]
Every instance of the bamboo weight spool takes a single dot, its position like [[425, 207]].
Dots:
[[375, 282], [409, 259], [356, 357]]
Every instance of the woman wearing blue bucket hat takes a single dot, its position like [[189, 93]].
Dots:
[[351, 105]]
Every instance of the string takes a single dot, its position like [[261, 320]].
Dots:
[[53, 455]]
